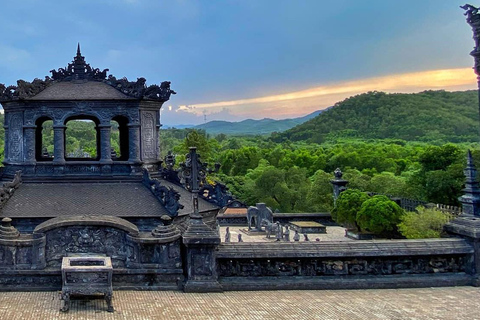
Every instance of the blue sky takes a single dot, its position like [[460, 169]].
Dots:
[[222, 56]]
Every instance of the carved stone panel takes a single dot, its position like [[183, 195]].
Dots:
[[15, 137], [66, 241], [148, 137], [339, 267]]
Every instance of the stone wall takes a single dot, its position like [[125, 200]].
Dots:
[[342, 265]]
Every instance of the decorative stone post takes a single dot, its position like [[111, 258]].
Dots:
[[339, 185], [5, 148], [200, 241], [134, 142], [29, 131], [59, 144], [467, 225], [157, 146], [105, 143], [7, 231], [473, 19]]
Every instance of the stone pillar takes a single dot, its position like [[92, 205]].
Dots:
[[59, 144], [200, 241], [158, 126], [5, 148], [29, 134], [105, 143], [134, 143], [467, 225]]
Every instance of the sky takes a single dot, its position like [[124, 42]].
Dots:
[[233, 60]]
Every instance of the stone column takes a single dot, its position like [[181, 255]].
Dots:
[[5, 148], [29, 134], [157, 135], [105, 143], [134, 143], [200, 241], [467, 225], [59, 144]]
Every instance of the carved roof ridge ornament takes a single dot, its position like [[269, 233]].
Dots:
[[473, 19], [80, 71]]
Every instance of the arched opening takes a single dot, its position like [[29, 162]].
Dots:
[[119, 138], [44, 139], [82, 138]]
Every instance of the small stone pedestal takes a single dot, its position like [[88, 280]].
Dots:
[[201, 243], [308, 227], [89, 275]]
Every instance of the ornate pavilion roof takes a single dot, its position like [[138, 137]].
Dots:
[[79, 81], [70, 90], [130, 199]]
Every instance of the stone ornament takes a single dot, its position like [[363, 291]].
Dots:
[[79, 70]]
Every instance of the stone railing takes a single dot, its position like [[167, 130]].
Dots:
[[411, 204], [372, 264]]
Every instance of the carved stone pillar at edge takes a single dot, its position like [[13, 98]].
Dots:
[[134, 143], [105, 144], [5, 148], [467, 225], [59, 144], [201, 243], [201, 265], [158, 126], [29, 135]]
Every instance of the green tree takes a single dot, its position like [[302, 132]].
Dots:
[[425, 223], [320, 194], [347, 207], [379, 215]]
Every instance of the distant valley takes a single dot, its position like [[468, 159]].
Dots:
[[250, 126]]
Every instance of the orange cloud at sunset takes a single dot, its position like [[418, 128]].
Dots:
[[302, 102]]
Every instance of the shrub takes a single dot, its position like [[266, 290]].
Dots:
[[379, 215], [427, 223], [348, 204]]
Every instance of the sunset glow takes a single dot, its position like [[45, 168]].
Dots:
[[302, 102]]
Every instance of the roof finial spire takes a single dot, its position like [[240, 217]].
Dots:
[[78, 49]]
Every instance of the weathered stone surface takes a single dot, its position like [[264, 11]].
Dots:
[[87, 275]]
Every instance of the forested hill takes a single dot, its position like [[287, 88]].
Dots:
[[426, 116], [254, 127]]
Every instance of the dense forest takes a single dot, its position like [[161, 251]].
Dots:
[[295, 176], [430, 116], [407, 145]]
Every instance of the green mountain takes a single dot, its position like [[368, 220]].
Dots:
[[254, 127], [426, 116]]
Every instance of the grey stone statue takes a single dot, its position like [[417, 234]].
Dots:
[[227, 235], [287, 234], [279, 231], [296, 237], [258, 213]]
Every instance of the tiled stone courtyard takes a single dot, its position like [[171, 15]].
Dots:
[[430, 303]]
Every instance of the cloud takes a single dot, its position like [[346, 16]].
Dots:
[[174, 115], [14, 58], [301, 102]]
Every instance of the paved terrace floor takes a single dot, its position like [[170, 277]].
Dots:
[[432, 303], [334, 233]]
